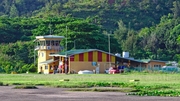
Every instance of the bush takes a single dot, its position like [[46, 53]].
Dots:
[[1, 83], [25, 87], [32, 68]]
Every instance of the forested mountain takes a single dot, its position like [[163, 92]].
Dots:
[[145, 28], [134, 13]]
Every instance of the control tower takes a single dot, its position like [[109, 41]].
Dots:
[[46, 45]]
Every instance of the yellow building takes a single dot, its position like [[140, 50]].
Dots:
[[83, 59], [86, 59], [46, 45]]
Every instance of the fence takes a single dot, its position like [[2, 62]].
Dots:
[[152, 69]]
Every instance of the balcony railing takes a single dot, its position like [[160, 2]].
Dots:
[[48, 48]]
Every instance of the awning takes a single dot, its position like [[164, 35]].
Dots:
[[48, 62], [58, 55]]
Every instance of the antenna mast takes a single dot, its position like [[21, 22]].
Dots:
[[66, 41], [50, 31]]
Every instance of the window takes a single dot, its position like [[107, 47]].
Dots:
[[157, 65], [42, 54], [52, 42], [48, 43], [57, 43], [46, 67], [42, 43]]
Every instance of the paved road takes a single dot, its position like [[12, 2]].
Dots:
[[60, 94]]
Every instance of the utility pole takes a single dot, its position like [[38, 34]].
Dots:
[[50, 30], [34, 56], [66, 41], [109, 45], [75, 43], [66, 58]]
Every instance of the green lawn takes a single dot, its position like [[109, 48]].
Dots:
[[148, 81], [145, 78]]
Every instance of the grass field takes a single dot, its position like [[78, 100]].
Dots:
[[168, 84]]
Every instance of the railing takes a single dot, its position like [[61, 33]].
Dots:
[[48, 48]]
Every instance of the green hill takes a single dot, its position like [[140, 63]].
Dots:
[[136, 14]]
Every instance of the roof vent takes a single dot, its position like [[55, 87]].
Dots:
[[117, 54], [125, 54]]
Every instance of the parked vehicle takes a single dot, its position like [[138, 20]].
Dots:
[[114, 71], [85, 72]]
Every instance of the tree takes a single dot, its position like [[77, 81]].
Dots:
[[121, 33], [130, 44], [13, 11], [57, 8], [176, 9]]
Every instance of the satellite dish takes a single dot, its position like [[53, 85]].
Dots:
[[94, 63]]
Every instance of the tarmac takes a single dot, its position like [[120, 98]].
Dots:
[[8, 93]]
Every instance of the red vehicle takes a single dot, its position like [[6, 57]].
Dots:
[[114, 71]]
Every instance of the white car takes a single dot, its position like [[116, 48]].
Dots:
[[85, 72]]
